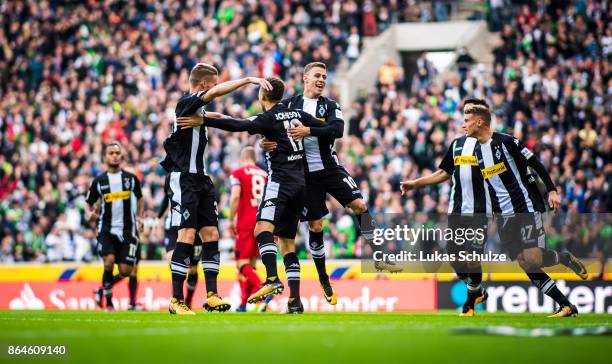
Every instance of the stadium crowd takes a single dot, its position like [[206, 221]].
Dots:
[[79, 75]]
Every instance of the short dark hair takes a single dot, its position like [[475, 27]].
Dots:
[[113, 143], [312, 65], [277, 92]]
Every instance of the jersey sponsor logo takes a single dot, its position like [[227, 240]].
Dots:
[[294, 157], [465, 160], [115, 196], [526, 153], [494, 170]]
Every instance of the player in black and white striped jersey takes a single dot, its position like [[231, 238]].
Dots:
[[469, 206], [115, 201], [324, 173], [192, 194], [504, 162]]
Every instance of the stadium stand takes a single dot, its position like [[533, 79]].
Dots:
[[78, 75]]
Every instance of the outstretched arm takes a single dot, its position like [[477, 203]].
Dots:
[[230, 124], [230, 86], [194, 120], [435, 178]]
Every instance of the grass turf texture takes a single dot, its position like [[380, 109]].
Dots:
[[157, 337]]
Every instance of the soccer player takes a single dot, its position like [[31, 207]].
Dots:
[[248, 182], [518, 206], [468, 208], [193, 200], [324, 173], [115, 201], [283, 200], [171, 233]]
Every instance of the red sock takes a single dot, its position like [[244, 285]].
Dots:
[[244, 294], [249, 272], [251, 288]]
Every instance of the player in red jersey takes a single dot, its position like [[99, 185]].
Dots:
[[248, 184]]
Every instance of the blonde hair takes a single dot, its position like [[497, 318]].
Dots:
[[200, 72], [312, 65], [248, 153], [478, 110]]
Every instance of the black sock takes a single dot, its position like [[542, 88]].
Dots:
[[548, 287], [117, 278], [317, 249], [462, 276], [192, 281], [550, 258], [292, 268], [210, 264], [267, 250], [474, 282], [107, 286], [133, 286], [179, 265], [366, 225]]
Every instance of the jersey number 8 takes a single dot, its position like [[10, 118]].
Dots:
[[257, 187]]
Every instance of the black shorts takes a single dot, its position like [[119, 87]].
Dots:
[[282, 205], [521, 231], [170, 244], [469, 232], [193, 201], [337, 182], [126, 248]]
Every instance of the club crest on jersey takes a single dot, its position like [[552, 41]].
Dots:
[[127, 183], [498, 154], [321, 111]]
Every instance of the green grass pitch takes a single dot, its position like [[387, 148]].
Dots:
[[157, 337]]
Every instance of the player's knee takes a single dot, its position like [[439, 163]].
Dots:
[[125, 270], [186, 235], [260, 229], [209, 233], [316, 225], [358, 206]]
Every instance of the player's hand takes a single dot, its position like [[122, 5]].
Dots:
[[267, 145], [261, 82], [140, 224], [298, 130], [232, 227], [192, 121], [554, 201], [91, 217], [407, 186]]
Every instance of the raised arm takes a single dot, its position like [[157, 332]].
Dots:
[[230, 86]]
